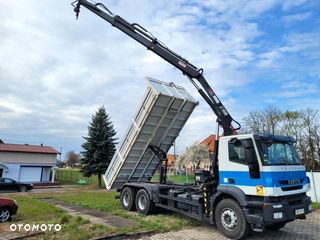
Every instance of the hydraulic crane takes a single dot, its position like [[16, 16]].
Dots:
[[260, 182], [144, 37]]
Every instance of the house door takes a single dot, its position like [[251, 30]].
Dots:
[[1, 172]]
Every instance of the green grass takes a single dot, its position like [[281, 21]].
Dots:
[[316, 205], [175, 178], [106, 202], [72, 176], [34, 211]]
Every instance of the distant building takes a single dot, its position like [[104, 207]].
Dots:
[[171, 158], [209, 142], [205, 164], [28, 163]]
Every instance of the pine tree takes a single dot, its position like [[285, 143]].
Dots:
[[99, 147]]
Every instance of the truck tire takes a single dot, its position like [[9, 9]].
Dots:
[[143, 203], [276, 226], [127, 198], [231, 220]]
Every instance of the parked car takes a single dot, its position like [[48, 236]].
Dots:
[[10, 184], [8, 208]]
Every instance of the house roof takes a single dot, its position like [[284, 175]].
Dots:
[[27, 148], [209, 142]]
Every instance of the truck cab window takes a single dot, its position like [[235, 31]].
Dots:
[[236, 152]]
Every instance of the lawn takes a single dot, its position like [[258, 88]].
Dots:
[[72, 176], [106, 202], [316, 205], [33, 211], [184, 178]]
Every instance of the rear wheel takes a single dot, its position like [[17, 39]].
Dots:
[[276, 226], [231, 220], [5, 214], [127, 198], [143, 203]]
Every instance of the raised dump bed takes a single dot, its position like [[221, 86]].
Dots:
[[160, 117]]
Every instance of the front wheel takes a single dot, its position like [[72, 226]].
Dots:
[[5, 214], [231, 220]]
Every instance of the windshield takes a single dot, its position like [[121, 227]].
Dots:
[[279, 153]]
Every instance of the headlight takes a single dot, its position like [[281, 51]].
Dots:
[[278, 215]]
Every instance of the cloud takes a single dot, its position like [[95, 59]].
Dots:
[[55, 71], [296, 17], [288, 4]]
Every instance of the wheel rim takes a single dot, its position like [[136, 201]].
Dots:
[[126, 199], [142, 202], [23, 189], [229, 219], [4, 215]]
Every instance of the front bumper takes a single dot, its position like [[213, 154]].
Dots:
[[287, 209], [269, 211]]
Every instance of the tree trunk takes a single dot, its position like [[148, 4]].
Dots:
[[99, 180]]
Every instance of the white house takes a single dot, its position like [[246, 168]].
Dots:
[[27, 163]]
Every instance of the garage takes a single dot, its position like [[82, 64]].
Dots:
[[28, 163], [30, 174]]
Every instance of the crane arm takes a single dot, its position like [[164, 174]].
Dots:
[[145, 38]]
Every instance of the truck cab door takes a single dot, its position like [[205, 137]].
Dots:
[[239, 166], [251, 158]]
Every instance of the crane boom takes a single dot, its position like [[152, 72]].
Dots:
[[145, 38]]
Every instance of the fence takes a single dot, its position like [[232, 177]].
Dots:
[[315, 186]]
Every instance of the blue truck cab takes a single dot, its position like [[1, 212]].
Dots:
[[264, 173]]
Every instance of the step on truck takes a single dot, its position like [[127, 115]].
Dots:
[[255, 182]]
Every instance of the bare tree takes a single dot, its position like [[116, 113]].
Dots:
[[72, 159], [195, 156], [310, 123], [292, 124], [303, 125], [254, 122], [266, 120], [272, 117]]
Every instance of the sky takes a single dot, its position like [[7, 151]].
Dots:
[[55, 72]]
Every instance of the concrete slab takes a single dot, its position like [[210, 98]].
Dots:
[[94, 216], [7, 234]]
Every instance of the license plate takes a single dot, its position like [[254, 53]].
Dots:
[[299, 211]]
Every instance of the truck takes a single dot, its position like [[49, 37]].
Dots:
[[256, 181]]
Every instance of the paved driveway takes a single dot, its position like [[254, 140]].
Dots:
[[300, 229]]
